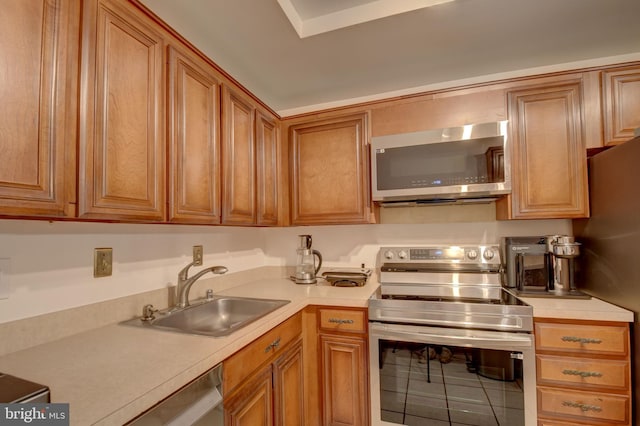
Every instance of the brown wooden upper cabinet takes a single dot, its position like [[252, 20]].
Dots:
[[38, 109], [621, 103], [549, 169], [267, 169], [329, 165], [250, 162], [122, 132], [193, 139]]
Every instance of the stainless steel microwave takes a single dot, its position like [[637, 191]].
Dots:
[[459, 163]]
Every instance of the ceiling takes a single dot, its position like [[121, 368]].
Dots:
[[302, 55]]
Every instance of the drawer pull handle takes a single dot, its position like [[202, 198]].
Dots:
[[341, 321], [273, 346], [581, 339], [583, 374], [583, 407]]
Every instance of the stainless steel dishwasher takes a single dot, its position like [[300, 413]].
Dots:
[[198, 403]]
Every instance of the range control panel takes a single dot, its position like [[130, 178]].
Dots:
[[468, 254]]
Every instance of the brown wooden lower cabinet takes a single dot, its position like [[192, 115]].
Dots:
[[594, 408], [263, 382], [345, 380], [251, 404], [288, 383], [545, 422], [344, 366], [583, 373], [272, 396]]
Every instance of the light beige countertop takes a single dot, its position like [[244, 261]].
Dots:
[[577, 309], [110, 374]]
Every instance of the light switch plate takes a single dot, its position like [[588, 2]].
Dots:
[[5, 273], [197, 255]]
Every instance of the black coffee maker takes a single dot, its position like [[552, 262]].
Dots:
[[541, 266], [526, 264]]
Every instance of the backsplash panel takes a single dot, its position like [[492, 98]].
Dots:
[[52, 262]]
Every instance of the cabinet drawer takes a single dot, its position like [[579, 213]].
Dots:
[[575, 405], [582, 339], [241, 364], [583, 372], [551, 422], [343, 320]]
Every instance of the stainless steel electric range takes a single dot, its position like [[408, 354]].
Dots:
[[448, 344]]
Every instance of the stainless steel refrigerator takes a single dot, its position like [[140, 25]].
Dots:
[[609, 266]]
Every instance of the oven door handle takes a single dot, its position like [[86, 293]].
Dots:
[[453, 337]]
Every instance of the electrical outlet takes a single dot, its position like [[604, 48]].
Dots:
[[197, 255], [102, 262]]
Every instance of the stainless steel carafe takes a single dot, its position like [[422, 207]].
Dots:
[[563, 250], [306, 267]]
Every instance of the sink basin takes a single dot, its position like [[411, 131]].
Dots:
[[218, 317]]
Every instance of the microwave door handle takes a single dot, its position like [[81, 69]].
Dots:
[[520, 271]]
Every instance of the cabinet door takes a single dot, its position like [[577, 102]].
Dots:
[[329, 174], [267, 169], [621, 96], [37, 112], [251, 404], [193, 129], [122, 151], [238, 153], [549, 166], [288, 378], [344, 380]]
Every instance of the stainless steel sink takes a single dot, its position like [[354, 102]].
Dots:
[[218, 317]]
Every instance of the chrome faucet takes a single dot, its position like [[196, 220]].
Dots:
[[185, 282]]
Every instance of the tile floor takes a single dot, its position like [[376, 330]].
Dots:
[[455, 396]]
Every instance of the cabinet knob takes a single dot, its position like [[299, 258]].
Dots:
[[272, 346]]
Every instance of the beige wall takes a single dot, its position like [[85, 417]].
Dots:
[[52, 262]]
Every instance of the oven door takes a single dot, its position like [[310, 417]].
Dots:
[[443, 376]]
